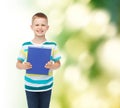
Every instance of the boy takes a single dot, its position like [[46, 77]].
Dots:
[[38, 87]]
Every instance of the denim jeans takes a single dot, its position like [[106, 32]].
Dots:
[[38, 99]]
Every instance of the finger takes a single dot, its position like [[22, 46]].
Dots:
[[28, 64], [28, 67]]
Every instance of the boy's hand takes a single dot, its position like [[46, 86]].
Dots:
[[52, 65], [26, 65], [49, 65]]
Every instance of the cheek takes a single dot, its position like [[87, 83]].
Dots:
[[47, 28], [31, 27]]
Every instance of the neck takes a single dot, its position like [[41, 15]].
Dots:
[[39, 40]]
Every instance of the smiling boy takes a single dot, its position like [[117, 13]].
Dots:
[[38, 87]]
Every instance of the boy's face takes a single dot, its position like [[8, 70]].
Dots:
[[40, 26]]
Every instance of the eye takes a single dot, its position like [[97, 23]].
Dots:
[[36, 24], [42, 24]]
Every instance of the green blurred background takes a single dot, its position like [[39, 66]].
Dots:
[[88, 36]]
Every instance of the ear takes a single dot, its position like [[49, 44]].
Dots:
[[31, 27], [47, 27]]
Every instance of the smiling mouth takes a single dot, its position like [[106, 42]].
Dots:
[[39, 31]]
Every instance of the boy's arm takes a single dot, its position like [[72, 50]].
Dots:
[[53, 65], [21, 65]]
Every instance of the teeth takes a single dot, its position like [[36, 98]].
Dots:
[[39, 31]]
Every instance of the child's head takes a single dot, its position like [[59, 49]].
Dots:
[[39, 24], [39, 15]]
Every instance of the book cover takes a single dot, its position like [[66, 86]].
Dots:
[[38, 57]]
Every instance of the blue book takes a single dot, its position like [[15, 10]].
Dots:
[[38, 57]]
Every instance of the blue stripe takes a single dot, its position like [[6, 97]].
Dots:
[[25, 50], [39, 88], [20, 59], [26, 43], [49, 43], [38, 81], [55, 59]]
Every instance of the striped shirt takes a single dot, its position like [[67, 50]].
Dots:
[[37, 82]]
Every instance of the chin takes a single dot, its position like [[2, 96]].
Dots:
[[40, 35]]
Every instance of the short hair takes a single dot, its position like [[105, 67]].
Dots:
[[39, 15]]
